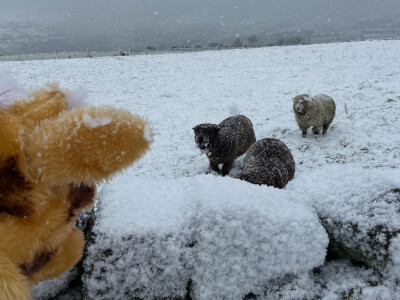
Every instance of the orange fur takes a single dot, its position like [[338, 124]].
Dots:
[[40, 105], [13, 285], [69, 252], [10, 141], [50, 160], [88, 153]]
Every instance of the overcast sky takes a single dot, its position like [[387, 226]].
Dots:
[[115, 13], [187, 17]]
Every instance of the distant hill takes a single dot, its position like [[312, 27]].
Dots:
[[28, 37]]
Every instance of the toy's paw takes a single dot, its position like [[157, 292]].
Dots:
[[13, 285], [66, 256]]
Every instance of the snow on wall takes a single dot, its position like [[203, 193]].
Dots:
[[335, 280], [51, 288], [229, 236], [360, 208], [140, 242]]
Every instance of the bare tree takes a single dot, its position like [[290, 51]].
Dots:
[[252, 39], [237, 43]]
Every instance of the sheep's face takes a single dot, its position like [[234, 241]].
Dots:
[[300, 104], [204, 135]]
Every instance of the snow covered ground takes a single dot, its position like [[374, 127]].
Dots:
[[178, 91]]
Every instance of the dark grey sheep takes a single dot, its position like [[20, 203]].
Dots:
[[317, 112], [224, 142], [268, 161]]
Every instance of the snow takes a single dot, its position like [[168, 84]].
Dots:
[[228, 236], [49, 289], [76, 97], [308, 98], [233, 109], [178, 91], [95, 122], [9, 90], [351, 193], [147, 134], [336, 280], [360, 198]]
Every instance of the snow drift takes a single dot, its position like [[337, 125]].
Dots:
[[225, 236], [360, 209]]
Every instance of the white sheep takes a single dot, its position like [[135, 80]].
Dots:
[[315, 112]]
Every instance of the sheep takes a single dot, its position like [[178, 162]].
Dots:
[[224, 142], [317, 112], [268, 162]]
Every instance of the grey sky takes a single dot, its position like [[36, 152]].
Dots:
[[187, 19], [105, 13]]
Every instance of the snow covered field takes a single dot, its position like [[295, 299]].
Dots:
[[178, 91]]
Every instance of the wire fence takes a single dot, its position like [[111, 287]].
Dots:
[[58, 55], [89, 54]]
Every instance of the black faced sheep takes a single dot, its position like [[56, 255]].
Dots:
[[270, 162], [224, 142], [317, 112]]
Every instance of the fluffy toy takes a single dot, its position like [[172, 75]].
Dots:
[[51, 158]]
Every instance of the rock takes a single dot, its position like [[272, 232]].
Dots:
[[339, 280], [206, 237], [360, 210]]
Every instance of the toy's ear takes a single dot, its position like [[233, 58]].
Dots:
[[88, 144], [40, 105]]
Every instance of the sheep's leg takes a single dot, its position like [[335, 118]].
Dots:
[[303, 132], [325, 129], [227, 167], [214, 167], [316, 129]]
